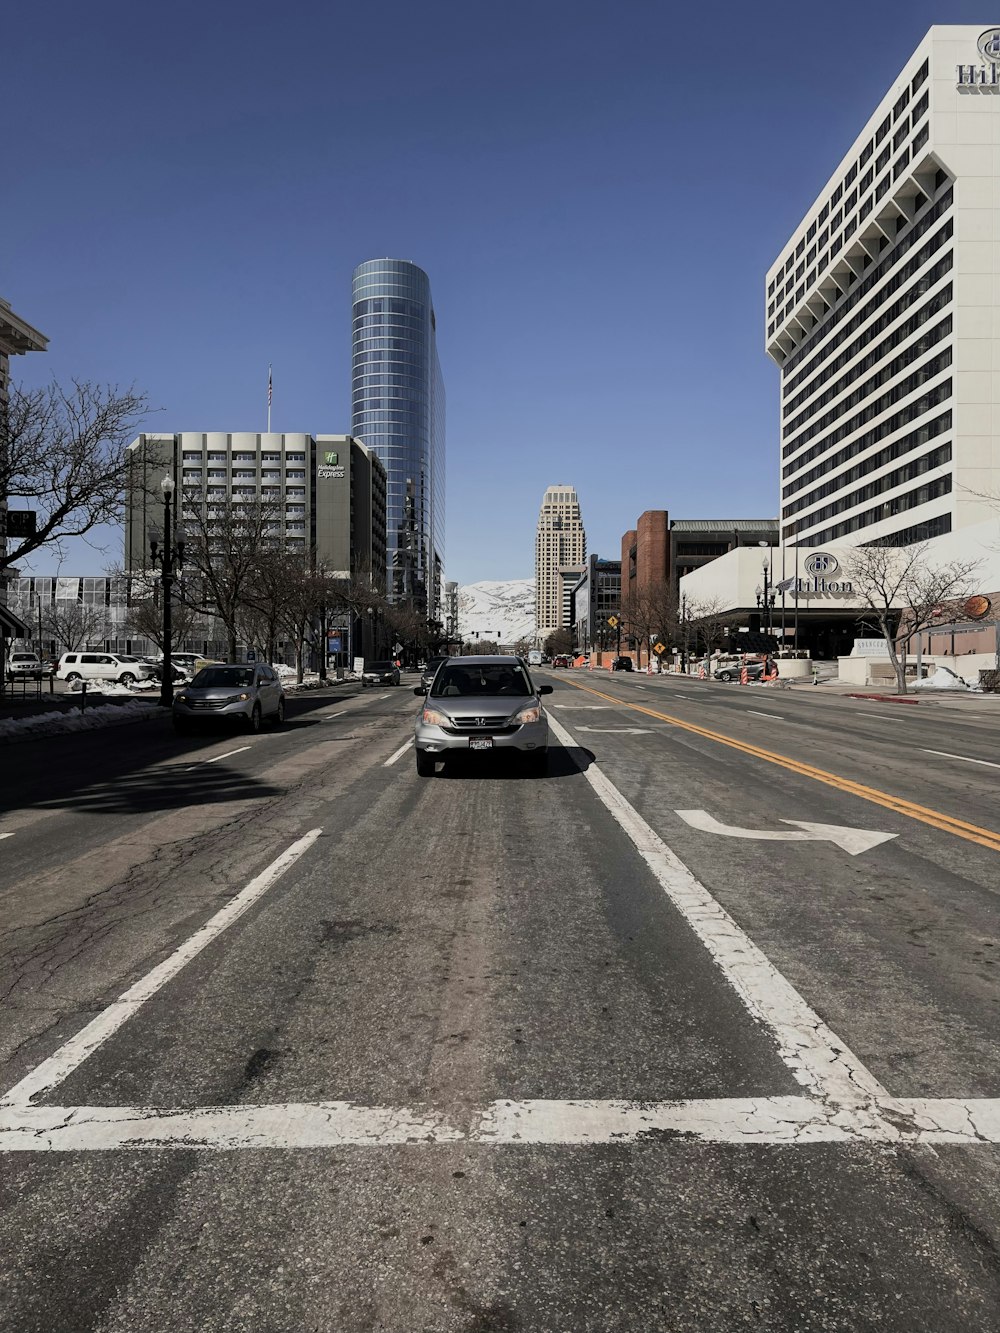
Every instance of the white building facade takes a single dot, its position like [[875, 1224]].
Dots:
[[560, 556], [883, 314]]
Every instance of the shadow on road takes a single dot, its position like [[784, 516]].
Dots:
[[165, 788], [135, 767], [564, 762]]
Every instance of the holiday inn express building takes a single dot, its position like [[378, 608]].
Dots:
[[882, 315]]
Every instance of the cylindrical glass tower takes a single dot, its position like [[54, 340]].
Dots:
[[397, 409]]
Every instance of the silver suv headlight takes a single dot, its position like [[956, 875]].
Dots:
[[529, 713]]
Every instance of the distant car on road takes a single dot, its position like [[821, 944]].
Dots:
[[754, 670], [429, 671], [380, 673], [478, 705], [562, 660], [622, 664], [230, 693], [25, 666]]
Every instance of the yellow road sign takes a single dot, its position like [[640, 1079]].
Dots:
[[659, 648], [613, 621]]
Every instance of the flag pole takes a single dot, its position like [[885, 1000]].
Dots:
[[269, 398]]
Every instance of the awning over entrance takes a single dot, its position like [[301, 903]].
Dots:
[[10, 626]]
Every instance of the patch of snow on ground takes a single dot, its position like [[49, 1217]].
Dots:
[[51, 724], [944, 679]]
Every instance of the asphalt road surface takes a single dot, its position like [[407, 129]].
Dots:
[[697, 1032]]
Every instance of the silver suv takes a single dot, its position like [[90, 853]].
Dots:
[[230, 693], [480, 705]]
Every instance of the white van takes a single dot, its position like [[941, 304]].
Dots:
[[126, 670], [535, 657]]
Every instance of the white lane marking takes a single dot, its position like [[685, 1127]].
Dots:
[[215, 759], [817, 1058], [72, 1053], [793, 1121], [6, 835], [330, 716], [988, 763], [584, 708], [620, 731], [775, 717], [886, 717], [851, 840], [383, 696], [399, 753]]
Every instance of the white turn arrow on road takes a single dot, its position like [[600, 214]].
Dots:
[[851, 840]]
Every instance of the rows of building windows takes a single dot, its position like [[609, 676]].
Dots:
[[841, 191], [900, 223], [379, 305], [384, 345], [933, 306], [919, 532], [900, 504], [821, 342], [915, 439], [934, 366], [398, 361], [925, 432], [916, 467]]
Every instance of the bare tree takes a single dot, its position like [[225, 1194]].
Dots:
[[710, 619], [75, 625], [63, 453], [558, 643], [224, 543], [144, 620], [905, 594], [305, 590]]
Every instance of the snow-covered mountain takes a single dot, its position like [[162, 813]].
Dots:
[[499, 609]]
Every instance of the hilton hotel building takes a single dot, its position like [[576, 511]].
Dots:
[[883, 315]]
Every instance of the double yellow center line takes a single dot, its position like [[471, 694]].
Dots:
[[958, 827]]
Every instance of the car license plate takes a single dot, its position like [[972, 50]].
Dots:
[[480, 742]]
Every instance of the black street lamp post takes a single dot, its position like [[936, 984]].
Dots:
[[766, 596], [167, 557]]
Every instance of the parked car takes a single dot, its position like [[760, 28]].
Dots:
[[430, 671], [190, 663], [482, 705], [25, 666], [177, 670], [120, 667], [230, 693], [762, 667], [622, 664], [562, 660], [380, 673]]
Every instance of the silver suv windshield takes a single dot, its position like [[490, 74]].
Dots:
[[501, 678]]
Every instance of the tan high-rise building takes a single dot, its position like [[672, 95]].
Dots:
[[560, 555]]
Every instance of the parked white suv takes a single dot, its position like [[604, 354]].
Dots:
[[126, 670]]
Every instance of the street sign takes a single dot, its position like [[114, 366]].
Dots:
[[613, 621], [659, 648], [21, 522], [397, 647], [251, 655]]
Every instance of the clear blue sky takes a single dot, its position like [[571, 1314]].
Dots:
[[595, 190]]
